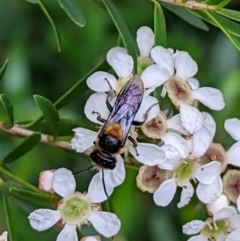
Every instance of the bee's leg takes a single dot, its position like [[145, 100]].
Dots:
[[145, 116], [99, 116], [123, 155], [104, 184], [134, 144], [111, 94]]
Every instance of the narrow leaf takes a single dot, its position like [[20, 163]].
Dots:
[[3, 69], [217, 3], [74, 11], [229, 25], [9, 111], [49, 112], [235, 42], [9, 219], [23, 148], [159, 25], [31, 197], [121, 25], [187, 16], [232, 14], [54, 28]]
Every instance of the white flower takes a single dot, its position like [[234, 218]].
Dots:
[[74, 210], [4, 235], [180, 85], [232, 126], [218, 204], [91, 238], [224, 226], [45, 181], [202, 127]]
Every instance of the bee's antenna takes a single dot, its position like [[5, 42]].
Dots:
[[104, 185], [76, 173]]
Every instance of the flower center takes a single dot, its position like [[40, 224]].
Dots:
[[121, 82], [75, 209], [184, 171], [214, 229], [179, 91], [143, 63], [155, 128]]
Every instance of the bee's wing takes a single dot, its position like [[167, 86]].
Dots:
[[126, 106]]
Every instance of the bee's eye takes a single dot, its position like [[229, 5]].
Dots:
[[94, 142]]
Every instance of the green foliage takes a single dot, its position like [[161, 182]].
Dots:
[[9, 111], [29, 143], [49, 112], [61, 77]]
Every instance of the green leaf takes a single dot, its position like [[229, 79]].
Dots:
[[3, 69], [54, 28], [31, 197], [232, 14], [186, 16], [232, 39], [9, 219], [229, 25], [23, 148], [74, 11], [217, 3], [159, 25], [9, 111], [49, 112], [121, 25]]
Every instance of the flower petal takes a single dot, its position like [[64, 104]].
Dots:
[[178, 142], [233, 154], [234, 222], [199, 237], [201, 140], [122, 64], [154, 75], [96, 193], [163, 58], [218, 204], [233, 236], [209, 123], [194, 83], [232, 126], [224, 213], [238, 203], [115, 177], [145, 40], [64, 182], [207, 173], [112, 52], [209, 193], [172, 157], [210, 97], [105, 223], [175, 123], [147, 102], [42, 219], [193, 227], [165, 193], [191, 118], [83, 139], [68, 233], [149, 154], [186, 194], [96, 102], [98, 82], [185, 66]]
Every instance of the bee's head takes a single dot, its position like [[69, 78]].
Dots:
[[103, 161], [109, 143]]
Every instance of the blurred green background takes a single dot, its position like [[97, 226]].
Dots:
[[36, 67]]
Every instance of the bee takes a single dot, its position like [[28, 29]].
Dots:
[[114, 133]]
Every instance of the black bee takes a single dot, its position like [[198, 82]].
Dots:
[[114, 133]]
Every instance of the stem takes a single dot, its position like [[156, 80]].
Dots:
[[24, 183], [191, 5]]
